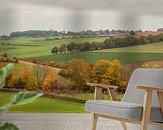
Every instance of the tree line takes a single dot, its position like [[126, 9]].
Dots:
[[4, 43], [35, 33], [51, 33], [112, 42]]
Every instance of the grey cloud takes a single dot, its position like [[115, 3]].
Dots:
[[129, 21], [129, 11], [78, 21], [148, 6], [7, 20]]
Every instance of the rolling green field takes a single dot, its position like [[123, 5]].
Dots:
[[124, 57], [34, 47], [38, 48], [43, 105], [148, 48]]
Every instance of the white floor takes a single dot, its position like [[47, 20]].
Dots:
[[57, 121]]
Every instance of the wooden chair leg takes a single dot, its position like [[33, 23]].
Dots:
[[94, 122], [124, 125], [146, 110], [160, 98]]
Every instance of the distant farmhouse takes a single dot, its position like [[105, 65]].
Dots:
[[160, 30]]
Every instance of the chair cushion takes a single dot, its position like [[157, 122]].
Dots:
[[131, 111]]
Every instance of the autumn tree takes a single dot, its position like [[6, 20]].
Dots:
[[77, 71], [107, 72], [71, 47], [40, 74], [94, 46], [23, 80], [87, 46], [50, 81], [107, 43], [80, 47], [54, 50], [62, 48], [103, 71], [33, 78]]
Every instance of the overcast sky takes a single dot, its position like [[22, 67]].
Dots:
[[76, 15]]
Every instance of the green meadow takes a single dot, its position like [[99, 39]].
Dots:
[[43, 105], [148, 48], [34, 47], [124, 57]]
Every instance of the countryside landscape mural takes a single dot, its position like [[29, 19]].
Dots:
[[57, 47]]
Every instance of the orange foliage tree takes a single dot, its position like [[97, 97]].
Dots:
[[50, 80], [77, 71], [32, 78], [103, 71], [22, 80]]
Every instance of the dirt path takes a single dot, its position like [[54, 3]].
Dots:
[[33, 64], [157, 62]]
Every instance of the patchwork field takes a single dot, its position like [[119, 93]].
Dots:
[[32, 47], [40, 49]]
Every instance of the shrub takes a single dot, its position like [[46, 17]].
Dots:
[[24, 80], [50, 81], [1, 65], [8, 59], [36, 78], [15, 60]]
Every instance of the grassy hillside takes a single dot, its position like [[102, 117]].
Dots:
[[39, 48], [18, 67], [32, 47], [148, 48]]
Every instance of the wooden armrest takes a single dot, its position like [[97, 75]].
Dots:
[[147, 88], [98, 90], [148, 99], [102, 85]]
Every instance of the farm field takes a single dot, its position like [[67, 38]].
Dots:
[[40, 49], [124, 57], [148, 48], [43, 105], [32, 47]]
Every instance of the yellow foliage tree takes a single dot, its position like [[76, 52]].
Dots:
[[49, 80], [107, 72]]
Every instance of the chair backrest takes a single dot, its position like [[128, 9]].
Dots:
[[146, 77]]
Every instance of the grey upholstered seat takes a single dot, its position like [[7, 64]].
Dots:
[[132, 111], [116, 109], [131, 105]]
